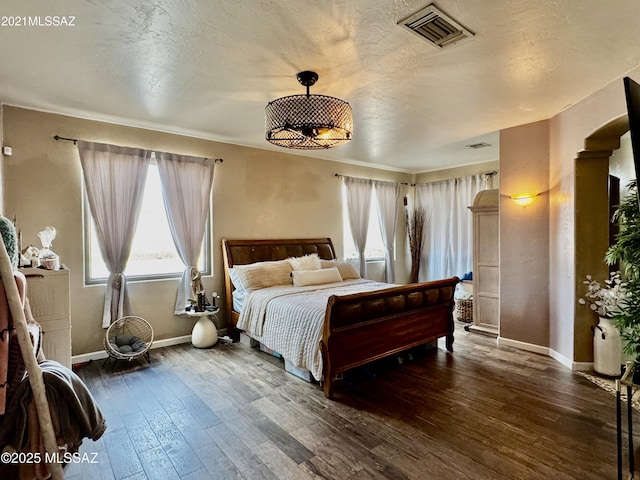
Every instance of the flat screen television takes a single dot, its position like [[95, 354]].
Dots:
[[632, 93]]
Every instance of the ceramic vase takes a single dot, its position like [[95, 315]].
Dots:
[[607, 348]]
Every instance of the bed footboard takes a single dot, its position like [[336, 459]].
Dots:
[[363, 327]]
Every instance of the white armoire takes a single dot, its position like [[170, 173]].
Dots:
[[486, 262]]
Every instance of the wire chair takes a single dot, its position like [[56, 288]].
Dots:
[[128, 338]]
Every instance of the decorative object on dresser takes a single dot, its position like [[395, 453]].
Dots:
[[48, 293], [48, 258], [345, 324]]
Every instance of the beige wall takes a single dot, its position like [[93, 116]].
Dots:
[[562, 236], [569, 335], [257, 194], [524, 234], [575, 207]]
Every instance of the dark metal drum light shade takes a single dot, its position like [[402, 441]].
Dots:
[[308, 122]]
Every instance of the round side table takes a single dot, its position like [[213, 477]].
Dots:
[[204, 333]]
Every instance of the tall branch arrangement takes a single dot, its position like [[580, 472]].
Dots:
[[415, 230]]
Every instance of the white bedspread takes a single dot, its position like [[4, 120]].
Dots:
[[289, 319]]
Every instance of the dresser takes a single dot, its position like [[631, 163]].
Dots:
[[48, 293]]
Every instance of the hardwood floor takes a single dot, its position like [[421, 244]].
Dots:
[[228, 412]]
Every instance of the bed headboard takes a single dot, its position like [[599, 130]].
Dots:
[[242, 252]]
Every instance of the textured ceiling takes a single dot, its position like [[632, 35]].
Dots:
[[207, 68]]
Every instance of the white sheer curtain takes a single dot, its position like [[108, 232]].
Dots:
[[186, 189], [389, 198], [114, 179], [358, 206], [448, 246]]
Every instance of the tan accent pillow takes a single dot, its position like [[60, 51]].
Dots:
[[308, 262], [302, 278], [347, 271], [264, 274]]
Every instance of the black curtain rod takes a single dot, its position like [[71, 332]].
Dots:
[[401, 183], [75, 142], [491, 174]]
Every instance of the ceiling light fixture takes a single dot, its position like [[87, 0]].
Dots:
[[308, 122]]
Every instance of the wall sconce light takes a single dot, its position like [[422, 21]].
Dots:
[[524, 200]]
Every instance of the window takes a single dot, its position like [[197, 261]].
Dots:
[[153, 253], [375, 246]]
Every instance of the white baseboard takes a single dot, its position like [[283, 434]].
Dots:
[[582, 366], [85, 357], [530, 347], [570, 364], [558, 357], [167, 342]]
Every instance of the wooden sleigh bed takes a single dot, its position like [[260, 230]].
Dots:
[[361, 327]]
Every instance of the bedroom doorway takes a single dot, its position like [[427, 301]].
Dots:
[[601, 157]]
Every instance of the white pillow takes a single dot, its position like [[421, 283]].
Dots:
[[347, 271], [238, 297], [302, 278], [263, 274], [308, 262], [235, 279]]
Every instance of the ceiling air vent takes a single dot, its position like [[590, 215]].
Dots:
[[435, 27], [475, 146]]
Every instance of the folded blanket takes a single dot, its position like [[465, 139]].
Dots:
[[75, 413]]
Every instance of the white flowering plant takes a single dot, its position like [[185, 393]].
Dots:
[[606, 300]]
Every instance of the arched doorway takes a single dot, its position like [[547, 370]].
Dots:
[[591, 222]]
